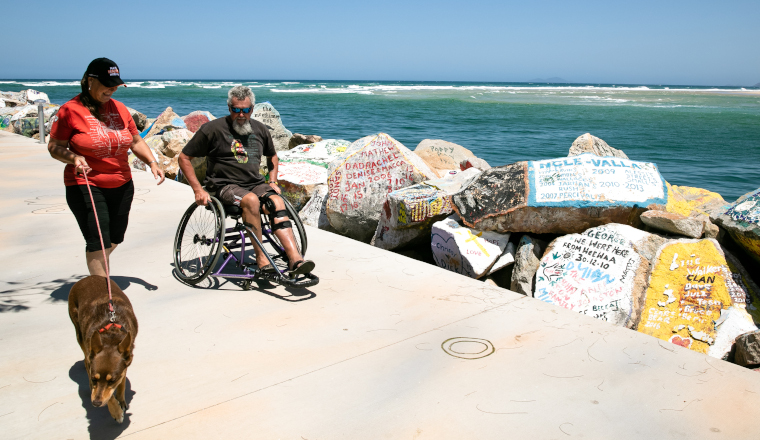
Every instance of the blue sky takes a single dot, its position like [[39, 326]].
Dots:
[[643, 42]]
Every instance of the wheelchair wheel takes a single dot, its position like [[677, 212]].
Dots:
[[199, 240], [298, 231]]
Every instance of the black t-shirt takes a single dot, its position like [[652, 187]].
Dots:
[[232, 158]]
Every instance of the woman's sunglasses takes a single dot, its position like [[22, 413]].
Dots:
[[238, 110]]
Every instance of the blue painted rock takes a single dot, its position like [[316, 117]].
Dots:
[[598, 273], [561, 196], [194, 120], [304, 167], [362, 176], [166, 121], [409, 213], [469, 252], [266, 113], [742, 221]]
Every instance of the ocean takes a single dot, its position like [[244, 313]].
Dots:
[[707, 137]]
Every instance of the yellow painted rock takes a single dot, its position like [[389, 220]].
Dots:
[[694, 202], [689, 292]]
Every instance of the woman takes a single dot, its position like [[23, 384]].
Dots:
[[92, 135]]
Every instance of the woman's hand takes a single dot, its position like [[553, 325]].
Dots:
[[157, 172], [80, 165]]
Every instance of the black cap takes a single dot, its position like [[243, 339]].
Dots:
[[106, 71]]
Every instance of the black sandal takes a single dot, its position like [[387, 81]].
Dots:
[[266, 269], [302, 267]]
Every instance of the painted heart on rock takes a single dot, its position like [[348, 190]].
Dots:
[[683, 342]]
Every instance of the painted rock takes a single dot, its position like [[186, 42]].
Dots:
[[362, 176], [26, 126], [694, 202], [266, 113], [527, 259], [598, 273], [474, 162], [674, 223], [32, 96], [408, 214], [587, 143], [561, 196], [314, 213], [174, 141], [742, 221], [304, 167], [195, 119], [166, 121], [689, 297], [442, 156], [469, 252]]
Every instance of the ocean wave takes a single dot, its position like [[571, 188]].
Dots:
[[48, 83]]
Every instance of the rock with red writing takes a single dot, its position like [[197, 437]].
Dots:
[[265, 113], [561, 196], [469, 252], [194, 120], [694, 299], [442, 156], [305, 166], [409, 213], [362, 176], [598, 273]]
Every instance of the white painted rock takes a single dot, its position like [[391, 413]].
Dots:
[[466, 251], [674, 223], [362, 176], [597, 273], [32, 96], [314, 213], [742, 221], [304, 167], [442, 156], [409, 213], [561, 196], [265, 113], [690, 293]]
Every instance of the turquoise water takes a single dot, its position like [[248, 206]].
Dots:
[[698, 136]]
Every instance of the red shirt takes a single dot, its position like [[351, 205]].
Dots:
[[103, 144]]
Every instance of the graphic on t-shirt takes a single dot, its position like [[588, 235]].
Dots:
[[239, 151], [111, 137]]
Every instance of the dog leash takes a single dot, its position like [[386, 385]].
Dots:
[[105, 257]]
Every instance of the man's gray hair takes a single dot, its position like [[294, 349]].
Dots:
[[240, 93]]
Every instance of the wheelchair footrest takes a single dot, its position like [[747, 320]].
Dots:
[[301, 281]]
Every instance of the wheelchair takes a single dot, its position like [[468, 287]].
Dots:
[[209, 233]]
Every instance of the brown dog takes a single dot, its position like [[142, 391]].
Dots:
[[107, 347]]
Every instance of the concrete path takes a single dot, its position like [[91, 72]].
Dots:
[[383, 347]]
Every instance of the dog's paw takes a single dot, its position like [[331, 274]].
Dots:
[[116, 410], [123, 405]]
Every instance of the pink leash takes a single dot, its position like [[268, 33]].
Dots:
[[105, 257]]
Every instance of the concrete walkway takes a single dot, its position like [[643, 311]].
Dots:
[[366, 354]]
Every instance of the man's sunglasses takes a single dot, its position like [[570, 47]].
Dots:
[[238, 110]]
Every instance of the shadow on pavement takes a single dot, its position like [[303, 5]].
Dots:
[[102, 425]]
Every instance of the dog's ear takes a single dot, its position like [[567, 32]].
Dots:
[[125, 344], [95, 343]]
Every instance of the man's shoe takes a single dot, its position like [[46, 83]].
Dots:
[[302, 267]]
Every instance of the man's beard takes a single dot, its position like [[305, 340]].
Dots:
[[242, 129]]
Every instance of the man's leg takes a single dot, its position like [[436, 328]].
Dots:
[[252, 216], [285, 235]]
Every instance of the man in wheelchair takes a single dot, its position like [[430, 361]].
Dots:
[[233, 147]]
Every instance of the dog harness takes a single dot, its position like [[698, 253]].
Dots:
[[108, 327]]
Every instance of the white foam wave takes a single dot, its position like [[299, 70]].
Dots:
[[48, 83]]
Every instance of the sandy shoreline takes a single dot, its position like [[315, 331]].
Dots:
[[733, 92]]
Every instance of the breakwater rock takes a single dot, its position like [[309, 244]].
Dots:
[[742, 221], [561, 196], [362, 176]]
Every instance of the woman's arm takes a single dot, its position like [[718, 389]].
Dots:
[[142, 151], [59, 150]]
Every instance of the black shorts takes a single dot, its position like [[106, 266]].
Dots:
[[233, 194], [113, 206]]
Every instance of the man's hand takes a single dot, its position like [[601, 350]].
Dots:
[[275, 187], [202, 197]]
